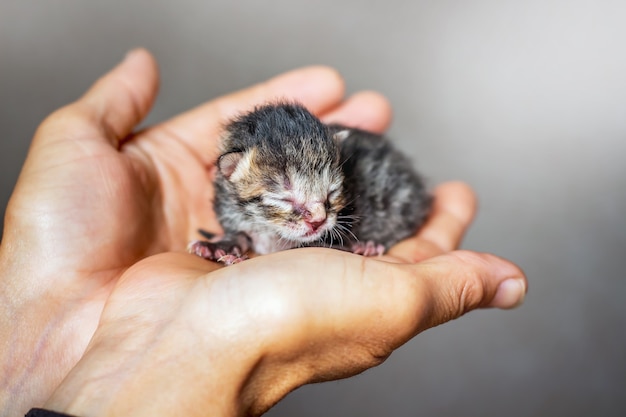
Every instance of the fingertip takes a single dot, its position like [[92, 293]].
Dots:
[[120, 99], [505, 284], [458, 199], [454, 208], [462, 281], [142, 61], [322, 72], [138, 68], [138, 54], [367, 110], [510, 294], [318, 87]]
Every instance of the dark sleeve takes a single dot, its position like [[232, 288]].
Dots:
[[40, 412]]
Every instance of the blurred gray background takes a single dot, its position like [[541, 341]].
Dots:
[[524, 100]]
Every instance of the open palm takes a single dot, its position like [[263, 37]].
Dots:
[[93, 197], [100, 212]]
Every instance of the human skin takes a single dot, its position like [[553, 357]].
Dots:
[[102, 312]]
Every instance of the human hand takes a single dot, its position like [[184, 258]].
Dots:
[[94, 198], [182, 335]]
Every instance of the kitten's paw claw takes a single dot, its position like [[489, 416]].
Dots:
[[369, 248], [200, 248], [231, 259], [216, 252]]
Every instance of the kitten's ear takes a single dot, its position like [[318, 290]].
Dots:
[[341, 135], [228, 162]]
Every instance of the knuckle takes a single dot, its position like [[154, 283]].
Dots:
[[136, 106], [470, 284], [62, 116], [470, 292], [67, 122]]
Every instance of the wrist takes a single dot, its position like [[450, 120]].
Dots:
[[162, 363], [40, 333], [151, 381]]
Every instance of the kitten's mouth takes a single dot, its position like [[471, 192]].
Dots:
[[310, 236], [304, 233], [313, 235]]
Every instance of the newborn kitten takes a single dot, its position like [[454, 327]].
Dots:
[[287, 180]]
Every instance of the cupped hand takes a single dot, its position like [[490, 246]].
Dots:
[[102, 215], [178, 336], [94, 197]]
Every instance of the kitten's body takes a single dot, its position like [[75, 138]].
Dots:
[[287, 180]]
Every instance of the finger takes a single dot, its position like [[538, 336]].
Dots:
[[365, 110], [318, 88], [353, 313], [420, 296], [461, 281], [114, 105], [124, 96], [408, 299], [454, 207]]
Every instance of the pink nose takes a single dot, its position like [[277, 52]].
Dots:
[[315, 224], [315, 216]]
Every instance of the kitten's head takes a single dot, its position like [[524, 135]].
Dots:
[[282, 165]]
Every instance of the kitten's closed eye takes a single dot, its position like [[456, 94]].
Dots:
[[285, 203], [332, 194]]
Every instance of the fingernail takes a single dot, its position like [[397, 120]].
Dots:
[[510, 294]]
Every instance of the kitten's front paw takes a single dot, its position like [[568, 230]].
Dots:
[[217, 252], [369, 248]]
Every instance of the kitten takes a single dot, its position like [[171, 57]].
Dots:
[[287, 180]]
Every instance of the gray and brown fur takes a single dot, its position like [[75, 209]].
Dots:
[[287, 180]]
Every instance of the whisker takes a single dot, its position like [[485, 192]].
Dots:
[[327, 237], [340, 238], [346, 160], [348, 216], [331, 234], [347, 231]]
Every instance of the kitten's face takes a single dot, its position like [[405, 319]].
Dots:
[[297, 202]]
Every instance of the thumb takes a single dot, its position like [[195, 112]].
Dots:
[[334, 315], [114, 105], [461, 281], [123, 97]]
